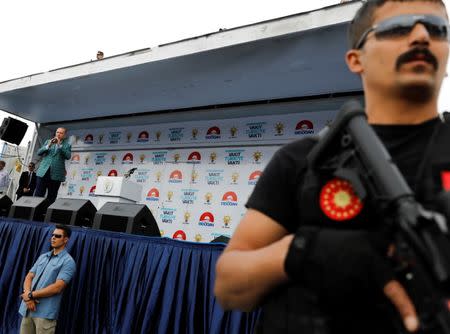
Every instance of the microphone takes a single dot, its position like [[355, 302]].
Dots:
[[131, 171]]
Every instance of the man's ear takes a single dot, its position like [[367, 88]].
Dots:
[[352, 58]]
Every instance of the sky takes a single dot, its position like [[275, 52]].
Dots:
[[38, 36]]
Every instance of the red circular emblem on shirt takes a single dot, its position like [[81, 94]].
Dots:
[[338, 200]]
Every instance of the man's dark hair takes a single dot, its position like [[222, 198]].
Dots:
[[363, 19], [65, 228]]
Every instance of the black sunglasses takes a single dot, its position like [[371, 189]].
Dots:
[[57, 236], [400, 26]]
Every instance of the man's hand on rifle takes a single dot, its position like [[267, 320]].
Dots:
[[345, 268]]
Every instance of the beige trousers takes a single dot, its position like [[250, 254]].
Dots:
[[37, 326]]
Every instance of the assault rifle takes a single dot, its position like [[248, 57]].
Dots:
[[420, 236]]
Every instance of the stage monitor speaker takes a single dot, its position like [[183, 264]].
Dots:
[[31, 208], [221, 238], [5, 205], [127, 218], [77, 212], [12, 130]]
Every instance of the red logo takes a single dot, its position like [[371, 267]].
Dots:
[[143, 135], [128, 157], [89, 139], [195, 156], [445, 178], [176, 176], [92, 191], [207, 217], [255, 175], [180, 235], [213, 131], [229, 196], [112, 172], [304, 125], [153, 193], [75, 157], [338, 200]]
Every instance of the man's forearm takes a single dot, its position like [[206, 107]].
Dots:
[[27, 283], [48, 291], [245, 276]]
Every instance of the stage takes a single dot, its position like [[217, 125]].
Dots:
[[124, 283]]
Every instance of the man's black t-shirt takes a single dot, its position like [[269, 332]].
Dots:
[[276, 193]]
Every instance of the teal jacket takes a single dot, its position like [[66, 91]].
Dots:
[[54, 158]]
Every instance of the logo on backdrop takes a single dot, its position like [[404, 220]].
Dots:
[[127, 158], [159, 157], [100, 158], [279, 129], [255, 130], [176, 134], [176, 177], [143, 137], [114, 137], [253, 178], [234, 177], [208, 198], [304, 127], [89, 139], [189, 196], [92, 191], [186, 216], [212, 157], [229, 199], [112, 172], [75, 159], [206, 219], [257, 155], [195, 157], [158, 135], [234, 157], [153, 195], [168, 215], [213, 133], [194, 133], [226, 221], [233, 132], [169, 196], [180, 235], [100, 138], [194, 176], [176, 157], [214, 177]]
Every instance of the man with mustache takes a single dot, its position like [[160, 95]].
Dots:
[[289, 254]]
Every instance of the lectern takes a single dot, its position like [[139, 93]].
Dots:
[[117, 189]]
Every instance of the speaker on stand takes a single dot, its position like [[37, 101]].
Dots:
[[12, 130]]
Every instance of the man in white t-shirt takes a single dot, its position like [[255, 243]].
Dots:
[[4, 178]]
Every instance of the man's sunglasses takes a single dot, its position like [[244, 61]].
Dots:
[[400, 26], [57, 236]]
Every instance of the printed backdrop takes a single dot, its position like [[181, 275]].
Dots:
[[195, 194]]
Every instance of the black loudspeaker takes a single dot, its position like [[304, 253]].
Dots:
[[5, 205], [78, 212], [12, 130], [221, 238], [127, 218], [31, 208]]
